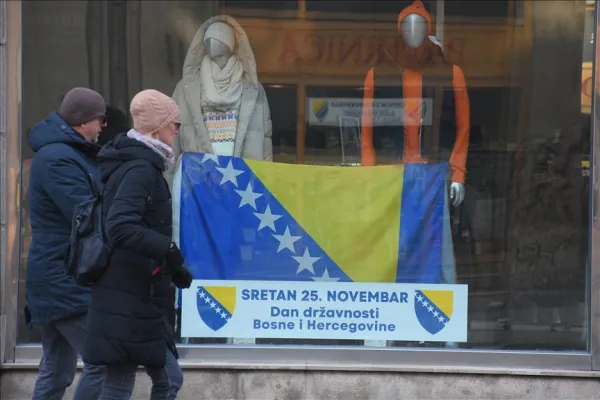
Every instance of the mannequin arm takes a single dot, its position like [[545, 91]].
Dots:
[[366, 137], [458, 159]]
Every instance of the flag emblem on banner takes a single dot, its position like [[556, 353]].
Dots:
[[239, 219], [434, 309], [320, 109], [216, 305]]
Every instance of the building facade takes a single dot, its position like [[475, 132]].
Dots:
[[525, 240]]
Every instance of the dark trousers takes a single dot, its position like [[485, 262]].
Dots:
[[166, 382]]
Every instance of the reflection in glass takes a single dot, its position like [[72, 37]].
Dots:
[[520, 237]]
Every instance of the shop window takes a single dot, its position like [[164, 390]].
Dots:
[[517, 243], [326, 133], [354, 6], [262, 5], [477, 9], [588, 36], [284, 114]]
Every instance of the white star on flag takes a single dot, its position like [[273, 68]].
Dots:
[[230, 174], [306, 262], [286, 241], [208, 156], [267, 219], [248, 196], [325, 277]]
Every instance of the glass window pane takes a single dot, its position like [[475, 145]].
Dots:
[[490, 8], [261, 5], [344, 91], [333, 6]]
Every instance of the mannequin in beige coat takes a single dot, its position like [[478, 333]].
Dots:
[[220, 68]]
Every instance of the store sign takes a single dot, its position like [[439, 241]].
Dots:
[[325, 310], [385, 112], [350, 49]]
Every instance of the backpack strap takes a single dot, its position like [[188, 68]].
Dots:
[[96, 191]]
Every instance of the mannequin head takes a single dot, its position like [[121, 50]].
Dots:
[[414, 25], [218, 51], [414, 30], [220, 42]]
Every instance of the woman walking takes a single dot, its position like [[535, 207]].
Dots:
[[126, 319]]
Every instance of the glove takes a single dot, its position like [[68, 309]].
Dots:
[[182, 278], [174, 258]]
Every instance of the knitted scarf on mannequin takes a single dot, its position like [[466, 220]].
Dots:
[[221, 87]]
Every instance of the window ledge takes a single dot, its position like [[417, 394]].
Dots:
[[190, 366]]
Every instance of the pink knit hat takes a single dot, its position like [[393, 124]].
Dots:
[[152, 110]]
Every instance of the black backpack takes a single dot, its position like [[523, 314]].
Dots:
[[89, 252]]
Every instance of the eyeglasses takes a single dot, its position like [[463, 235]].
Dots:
[[177, 125]]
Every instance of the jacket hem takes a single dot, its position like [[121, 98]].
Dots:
[[70, 314]]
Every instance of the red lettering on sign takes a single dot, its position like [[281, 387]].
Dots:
[[338, 49], [289, 50], [315, 43]]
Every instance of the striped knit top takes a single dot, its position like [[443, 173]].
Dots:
[[222, 127]]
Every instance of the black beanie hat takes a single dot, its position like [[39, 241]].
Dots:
[[82, 105]]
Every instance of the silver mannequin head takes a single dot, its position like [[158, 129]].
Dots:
[[218, 51], [414, 30]]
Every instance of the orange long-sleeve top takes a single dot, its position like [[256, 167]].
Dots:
[[412, 93]]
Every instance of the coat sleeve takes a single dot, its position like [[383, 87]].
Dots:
[[268, 141], [67, 184], [124, 226], [366, 146], [458, 159]]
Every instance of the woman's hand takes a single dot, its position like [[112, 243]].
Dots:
[[174, 258], [182, 278]]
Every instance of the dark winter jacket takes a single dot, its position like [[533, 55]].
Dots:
[[58, 182], [126, 323]]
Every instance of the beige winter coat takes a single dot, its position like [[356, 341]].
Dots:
[[253, 137]]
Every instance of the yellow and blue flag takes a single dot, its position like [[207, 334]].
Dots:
[[240, 219]]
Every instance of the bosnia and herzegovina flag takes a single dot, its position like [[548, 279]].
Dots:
[[248, 220]]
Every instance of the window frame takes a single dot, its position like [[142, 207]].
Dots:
[[13, 355]]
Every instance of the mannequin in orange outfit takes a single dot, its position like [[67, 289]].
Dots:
[[439, 133]]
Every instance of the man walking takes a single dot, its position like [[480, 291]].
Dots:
[[65, 149]]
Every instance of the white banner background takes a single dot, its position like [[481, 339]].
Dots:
[[274, 309]]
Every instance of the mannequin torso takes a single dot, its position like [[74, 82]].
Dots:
[[422, 69], [223, 108]]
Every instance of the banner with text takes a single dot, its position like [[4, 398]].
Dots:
[[386, 112], [325, 310]]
